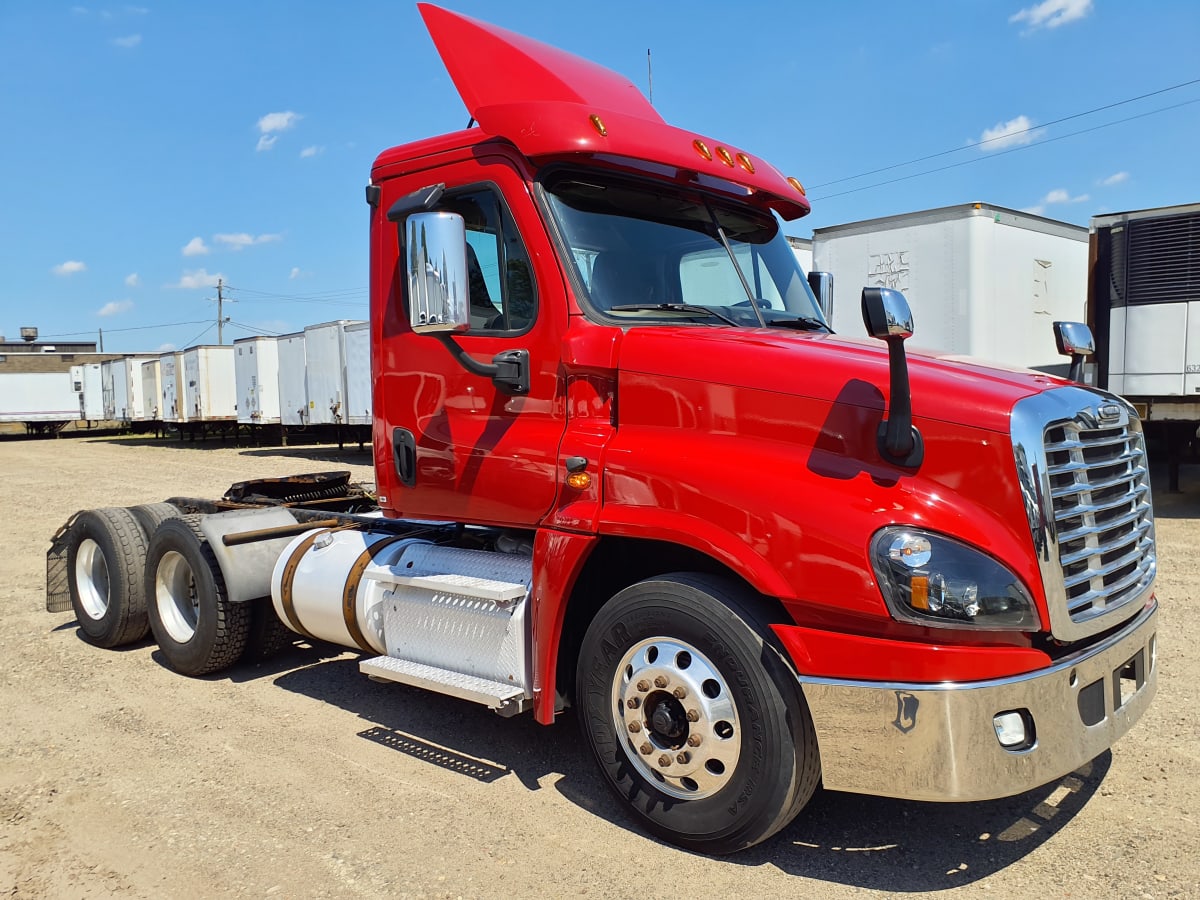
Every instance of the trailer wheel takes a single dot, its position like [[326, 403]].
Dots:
[[693, 714], [151, 515], [267, 635], [197, 627], [106, 555]]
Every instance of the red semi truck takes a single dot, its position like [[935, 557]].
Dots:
[[623, 465]]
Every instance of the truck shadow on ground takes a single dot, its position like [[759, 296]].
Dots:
[[860, 841]]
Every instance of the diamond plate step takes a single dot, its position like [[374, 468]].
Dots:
[[494, 694], [502, 593]]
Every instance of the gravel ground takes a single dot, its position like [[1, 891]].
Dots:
[[301, 778]]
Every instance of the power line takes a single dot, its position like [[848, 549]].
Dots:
[[196, 339], [1029, 146], [253, 329], [132, 328], [1007, 136]]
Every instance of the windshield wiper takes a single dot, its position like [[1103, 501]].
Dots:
[[801, 323], [675, 307]]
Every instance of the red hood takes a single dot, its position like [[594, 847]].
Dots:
[[821, 366], [545, 101]]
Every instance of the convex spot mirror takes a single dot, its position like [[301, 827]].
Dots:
[[436, 257]]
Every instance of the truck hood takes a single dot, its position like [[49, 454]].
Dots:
[[825, 367]]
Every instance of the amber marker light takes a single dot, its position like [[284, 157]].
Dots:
[[726, 156], [797, 185], [744, 162], [598, 124], [920, 592], [702, 148], [580, 481]]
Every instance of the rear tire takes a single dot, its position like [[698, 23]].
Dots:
[[106, 558], [151, 515], [694, 715], [197, 627]]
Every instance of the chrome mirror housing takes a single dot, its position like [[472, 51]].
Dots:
[[886, 314], [436, 252], [1074, 339]]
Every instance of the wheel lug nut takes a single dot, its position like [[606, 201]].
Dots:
[[660, 681], [693, 716], [635, 727], [646, 749], [683, 757], [664, 760], [633, 702], [693, 739], [680, 692], [643, 685]]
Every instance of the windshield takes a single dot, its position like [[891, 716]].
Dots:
[[655, 252]]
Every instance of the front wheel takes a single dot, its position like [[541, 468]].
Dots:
[[695, 718]]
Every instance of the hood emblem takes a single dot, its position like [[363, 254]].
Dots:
[[1109, 411]]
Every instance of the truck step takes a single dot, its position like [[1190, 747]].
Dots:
[[501, 593], [504, 698]]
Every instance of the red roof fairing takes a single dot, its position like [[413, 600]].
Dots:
[[542, 99]]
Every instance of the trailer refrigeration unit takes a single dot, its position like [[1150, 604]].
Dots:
[[1144, 307], [984, 281], [753, 554]]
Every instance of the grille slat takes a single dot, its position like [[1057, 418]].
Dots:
[[1099, 493]]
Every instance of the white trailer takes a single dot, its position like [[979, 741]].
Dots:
[[293, 394], [151, 375], [358, 373], [256, 372], [173, 408], [44, 397], [210, 390], [803, 248], [87, 383], [325, 372], [981, 280], [108, 389]]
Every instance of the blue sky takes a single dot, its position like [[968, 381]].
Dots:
[[149, 148]]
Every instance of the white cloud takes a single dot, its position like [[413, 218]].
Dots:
[[132, 280], [238, 241], [113, 307], [70, 267], [166, 348], [1115, 178], [271, 125], [1052, 13], [128, 42], [1034, 210], [309, 152], [1012, 133], [195, 247], [295, 273], [1061, 195], [197, 278]]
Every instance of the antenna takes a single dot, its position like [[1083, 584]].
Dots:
[[650, 76]]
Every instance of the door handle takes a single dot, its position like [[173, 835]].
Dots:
[[404, 455]]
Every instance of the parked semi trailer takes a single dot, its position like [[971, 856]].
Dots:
[[44, 402], [1144, 307], [752, 554]]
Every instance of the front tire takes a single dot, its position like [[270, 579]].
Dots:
[[694, 716], [197, 628]]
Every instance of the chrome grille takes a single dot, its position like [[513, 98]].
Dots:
[[1100, 494], [1082, 465]]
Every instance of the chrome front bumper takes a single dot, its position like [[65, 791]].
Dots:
[[938, 741]]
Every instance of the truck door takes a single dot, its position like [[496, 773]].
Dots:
[[456, 446]]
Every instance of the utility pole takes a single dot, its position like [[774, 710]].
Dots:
[[220, 311], [101, 330]]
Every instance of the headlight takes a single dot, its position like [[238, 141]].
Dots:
[[934, 580]]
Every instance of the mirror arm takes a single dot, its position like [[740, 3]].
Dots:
[[508, 370], [899, 442]]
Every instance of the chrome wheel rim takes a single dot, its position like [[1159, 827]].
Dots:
[[176, 597], [679, 723], [91, 579]]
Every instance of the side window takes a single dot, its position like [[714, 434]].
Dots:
[[500, 279]]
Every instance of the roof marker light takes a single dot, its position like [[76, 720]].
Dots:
[[726, 156], [744, 162], [702, 148], [797, 185], [598, 124]]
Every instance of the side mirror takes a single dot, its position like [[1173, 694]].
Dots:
[[886, 315], [436, 250], [1074, 339], [822, 287]]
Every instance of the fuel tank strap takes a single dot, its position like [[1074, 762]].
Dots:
[[285, 584], [350, 591]]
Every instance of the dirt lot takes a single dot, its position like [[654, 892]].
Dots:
[[300, 778]]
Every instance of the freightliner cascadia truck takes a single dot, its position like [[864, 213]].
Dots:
[[624, 466]]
